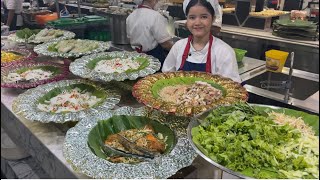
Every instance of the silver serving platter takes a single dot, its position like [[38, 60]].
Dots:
[[79, 67], [195, 121], [83, 160], [25, 105], [33, 83], [66, 35], [43, 50]]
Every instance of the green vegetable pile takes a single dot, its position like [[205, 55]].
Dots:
[[26, 33], [247, 140]]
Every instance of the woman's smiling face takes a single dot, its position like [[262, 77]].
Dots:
[[199, 21]]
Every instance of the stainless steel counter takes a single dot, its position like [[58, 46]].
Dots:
[[250, 64], [260, 34], [253, 68], [311, 103], [257, 42]]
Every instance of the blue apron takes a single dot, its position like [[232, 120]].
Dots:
[[158, 53], [189, 66]]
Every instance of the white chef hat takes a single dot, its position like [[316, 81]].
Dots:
[[186, 2]]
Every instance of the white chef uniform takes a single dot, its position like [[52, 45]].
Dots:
[[223, 59], [146, 28]]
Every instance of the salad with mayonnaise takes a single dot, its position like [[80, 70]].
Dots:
[[116, 65], [69, 101]]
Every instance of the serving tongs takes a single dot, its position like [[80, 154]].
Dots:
[[136, 149], [137, 152], [114, 152]]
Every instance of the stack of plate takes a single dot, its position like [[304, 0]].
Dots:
[[295, 29]]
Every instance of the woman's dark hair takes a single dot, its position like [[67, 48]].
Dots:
[[203, 3]]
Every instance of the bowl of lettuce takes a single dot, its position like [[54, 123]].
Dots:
[[258, 141]]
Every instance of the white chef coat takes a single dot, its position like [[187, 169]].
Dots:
[[147, 28], [17, 6], [218, 14], [223, 58], [14, 4]]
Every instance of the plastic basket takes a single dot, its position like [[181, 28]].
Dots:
[[240, 53], [65, 23], [69, 24], [43, 19], [98, 35], [275, 60]]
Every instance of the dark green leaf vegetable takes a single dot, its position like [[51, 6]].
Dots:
[[26, 33], [248, 140]]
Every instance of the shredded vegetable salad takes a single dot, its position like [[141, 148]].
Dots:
[[29, 75], [116, 65], [298, 123], [252, 142], [199, 93], [70, 101], [9, 57]]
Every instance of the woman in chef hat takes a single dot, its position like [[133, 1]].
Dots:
[[147, 30], [201, 51]]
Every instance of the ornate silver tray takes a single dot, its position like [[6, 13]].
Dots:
[[43, 50], [66, 35], [78, 154], [25, 105], [60, 72], [80, 66], [25, 55]]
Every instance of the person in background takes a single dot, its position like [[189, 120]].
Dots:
[[51, 4], [12, 9], [217, 23], [147, 31], [273, 4], [3, 18], [201, 51]]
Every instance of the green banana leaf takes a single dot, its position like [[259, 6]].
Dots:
[[142, 61], [160, 84], [84, 87], [296, 32], [311, 120], [294, 36], [53, 69], [53, 48], [301, 29], [26, 33], [295, 23], [115, 124]]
